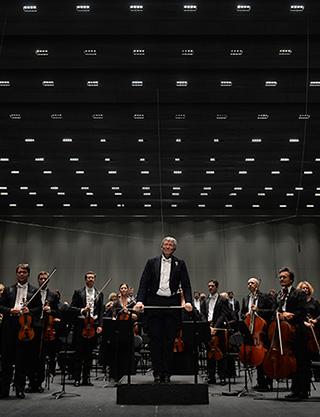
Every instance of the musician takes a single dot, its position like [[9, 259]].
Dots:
[[47, 345], [123, 302], [112, 299], [196, 300], [216, 311], [263, 305], [87, 304], [234, 304], [159, 285], [291, 304], [15, 352]]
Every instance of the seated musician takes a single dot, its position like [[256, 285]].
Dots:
[[87, 305]]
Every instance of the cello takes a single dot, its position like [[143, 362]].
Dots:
[[253, 353], [279, 361]]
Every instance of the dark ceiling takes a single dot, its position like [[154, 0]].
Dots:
[[153, 108]]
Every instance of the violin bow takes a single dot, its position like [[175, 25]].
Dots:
[[41, 286]]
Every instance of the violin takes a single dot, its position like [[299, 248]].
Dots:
[[279, 361], [88, 330], [213, 350], [253, 353], [49, 332], [26, 332], [178, 345]]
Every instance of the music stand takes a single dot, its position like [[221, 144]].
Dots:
[[62, 393], [117, 348]]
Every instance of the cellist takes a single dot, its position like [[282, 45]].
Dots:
[[291, 303], [262, 304], [18, 352], [87, 305]]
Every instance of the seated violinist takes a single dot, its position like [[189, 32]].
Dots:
[[87, 305], [20, 305]]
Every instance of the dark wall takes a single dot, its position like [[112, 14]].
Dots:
[[230, 252]]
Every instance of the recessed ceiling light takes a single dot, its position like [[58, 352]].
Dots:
[[24, 187], [120, 205], [201, 205], [97, 116], [145, 188], [210, 172], [112, 172], [136, 7], [249, 159], [268, 188], [47, 83], [271, 83], [4, 159], [144, 172], [136, 83], [15, 172], [15, 116], [290, 194], [228, 205], [39, 205], [72, 159], [261, 194], [190, 7], [304, 116], [204, 194], [178, 140], [275, 172], [296, 8], [243, 8], [89, 193], [47, 172], [4, 193], [147, 205], [225, 83], [66, 205], [61, 193], [93, 205], [30, 8], [176, 188], [146, 194], [212, 159], [314, 84], [138, 116], [207, 188], [255, 205], [243, 172], [221, 116], [90, 52], [256, 140], [115, 188], [181, 83], [4, 83], [83, 8], [175, 194], [180, 116], [263, 116], [41, 52], [285, 51], [282, 205], [92, 83], [54, 187], [284, 159], [187, 52], [237, 52], [39, 159], [140, 140], [298, 188], [310, 205], [174, 205], [138, 52], [107, 159], [294, 140], [233, 194], [84, 188], [56, 116], [308, 172], [177, 172], [13, 205], [32, 193], [66, 139], [237, 188], [177, 159], [29, 140]]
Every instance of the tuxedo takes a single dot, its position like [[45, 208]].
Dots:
[[162, 324], [21, 354], [265, 306], [84, 346]]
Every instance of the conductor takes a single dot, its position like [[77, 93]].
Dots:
[[160, 282]]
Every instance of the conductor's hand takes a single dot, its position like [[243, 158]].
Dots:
[[139, 306], [188, 307]]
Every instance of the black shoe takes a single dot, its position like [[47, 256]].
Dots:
[[157, 379], [20, 395], [76, 383], [166, 379]]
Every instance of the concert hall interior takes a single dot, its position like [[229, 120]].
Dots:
[[159, 224]]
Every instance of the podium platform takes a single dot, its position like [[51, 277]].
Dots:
[[174, 393]]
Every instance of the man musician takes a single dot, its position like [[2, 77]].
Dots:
[[21, 308], [87, 305]]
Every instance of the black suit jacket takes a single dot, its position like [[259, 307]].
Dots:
[[265, 306], [296, 304], [150, 279], [79, 301], [220, 312]]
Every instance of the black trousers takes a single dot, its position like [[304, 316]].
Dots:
[[162, 326]]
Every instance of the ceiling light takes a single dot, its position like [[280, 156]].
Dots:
[[187, 52], [177, 172], [136, 83], [307, 172], [317, 159], [296, 8], [177, 159], [243, 8], [317, 194], [268, 188], [15, 172], [146, 194], [140, 140], [4, 83], [93, 205], [178, 140], [93, 83], [3, 187], [41, 52], [79, 172], [220, 116], [138, 51], [32, 193], [285, 51], [228, 205], [15, 116], [180, 116], [238, 52], [107, 159], [182, 83], [298, 188], [147, 205], [233, 194], [190, 7], [103, 140], [47, 172], [4, 159], [136, 8], [138, 116], [304, 116], [216, 140], [290, 194], [275, 172], [225, 83], [261, 194], [294, 140], [66, 139], [284, 159], [210, 172], [115, 188], [13, 205], [97, 116], [282, 205], [84, 188], [256, 140], [176, 188], [54, 187], [120, 205], [204, 194], [30, 8], [72, 159], [310, 205], [249, 160], [314, 83], [175, 194], [144, 172], [89, 193], [112, 172], [61, 193], [271, 83], [66, 205], [90, 52], [83, 8], [262, 116], [145, 188], [56, 116], [39, 159], [24, 187], [255, 205], [174, 205], [212, 159], [4, 193], [242, 172], [237, 188], [47, 83]]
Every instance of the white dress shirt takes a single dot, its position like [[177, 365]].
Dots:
[[21, 297], [164, 286], [212, 304]]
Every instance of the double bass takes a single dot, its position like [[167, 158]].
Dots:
[[253, 353], [279, 361]]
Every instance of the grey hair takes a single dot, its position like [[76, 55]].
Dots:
[[171, 239]]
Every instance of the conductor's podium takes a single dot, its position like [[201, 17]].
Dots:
[[174, 393]]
